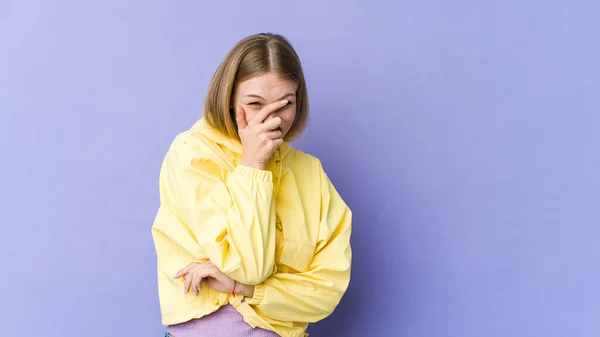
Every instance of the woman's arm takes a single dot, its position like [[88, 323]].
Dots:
[[312, 295], [231, 219]]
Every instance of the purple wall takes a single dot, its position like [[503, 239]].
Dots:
[[463, 134]]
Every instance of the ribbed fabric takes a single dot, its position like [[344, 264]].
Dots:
[[225, 322]]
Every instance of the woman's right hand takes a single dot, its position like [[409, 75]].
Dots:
[[197, 273], [260, 138]]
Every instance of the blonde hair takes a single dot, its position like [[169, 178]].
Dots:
[[253, 56]]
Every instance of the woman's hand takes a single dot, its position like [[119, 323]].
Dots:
[[260, 138], [195, 274]]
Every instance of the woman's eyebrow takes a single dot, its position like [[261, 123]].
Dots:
[[260, 97]]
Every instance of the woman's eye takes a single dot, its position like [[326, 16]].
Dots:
[[254, 104]]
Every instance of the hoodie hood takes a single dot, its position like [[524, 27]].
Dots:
[[234, 145]]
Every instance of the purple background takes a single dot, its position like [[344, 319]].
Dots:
[[464, 135]]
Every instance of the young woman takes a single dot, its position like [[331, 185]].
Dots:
[[252, 238]]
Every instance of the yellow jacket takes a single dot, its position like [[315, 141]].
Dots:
[[285, 230]]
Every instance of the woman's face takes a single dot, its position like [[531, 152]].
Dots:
[[253, 94]]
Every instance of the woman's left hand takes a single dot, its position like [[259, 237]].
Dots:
[[197, 273]]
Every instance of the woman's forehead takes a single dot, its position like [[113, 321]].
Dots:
[[270, 83]]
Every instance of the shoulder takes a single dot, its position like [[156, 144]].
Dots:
[[308, 167], [188, 144], [304, 160], [190, 149]]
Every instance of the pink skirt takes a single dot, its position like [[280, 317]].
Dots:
[[225, 322]]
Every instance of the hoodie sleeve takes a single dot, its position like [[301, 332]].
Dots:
[[231, 216], [312, 295]]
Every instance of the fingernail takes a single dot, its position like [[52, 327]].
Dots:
[[284, 102]]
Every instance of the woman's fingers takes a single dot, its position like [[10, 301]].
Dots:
[[272, 124], [274, 134], [196, 284], [183, 271], [197, 273], [267, 110], [240, 117], [188, 282]]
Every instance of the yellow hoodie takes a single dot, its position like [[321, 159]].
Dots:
[[284, 229]]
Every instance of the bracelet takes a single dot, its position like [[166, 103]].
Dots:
[[234, 285]]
